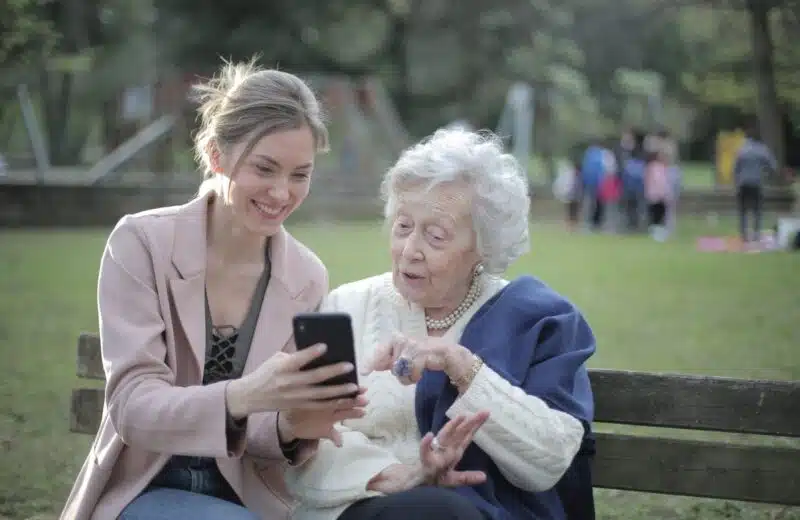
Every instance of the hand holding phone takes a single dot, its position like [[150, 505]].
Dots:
[[336, 332], [285, 382]]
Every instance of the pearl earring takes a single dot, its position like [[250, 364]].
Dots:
[[479, 269]]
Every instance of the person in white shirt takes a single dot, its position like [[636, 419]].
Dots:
[[446, 346]]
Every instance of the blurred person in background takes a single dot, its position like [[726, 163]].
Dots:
[[633, 181], [668, 147], [753, 164], [657, 193], [593, 170], [567, 189]]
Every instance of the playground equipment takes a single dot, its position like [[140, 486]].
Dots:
[[517, 120], [728, 144], [366, 137]]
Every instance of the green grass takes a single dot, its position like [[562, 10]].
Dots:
[[659, 307]]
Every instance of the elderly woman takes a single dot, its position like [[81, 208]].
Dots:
[[442, 336]]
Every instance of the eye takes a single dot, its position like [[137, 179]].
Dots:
[[301, 176], [436, 234], [263, 169], [402, 226]]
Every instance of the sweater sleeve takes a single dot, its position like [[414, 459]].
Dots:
[[531, 443], [540, 413], [338, 476]]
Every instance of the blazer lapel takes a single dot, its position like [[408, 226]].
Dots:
[[189, 300], [188, 291]]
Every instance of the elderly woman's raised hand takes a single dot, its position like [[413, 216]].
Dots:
[[408, 358], [441, 453], [438, 456]]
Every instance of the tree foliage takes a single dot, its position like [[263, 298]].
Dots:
[[594, 66]]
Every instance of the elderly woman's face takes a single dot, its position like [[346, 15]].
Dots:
[[433, 245]]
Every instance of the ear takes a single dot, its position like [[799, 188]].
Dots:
[[215, 157]]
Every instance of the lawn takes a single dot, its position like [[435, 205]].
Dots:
[[659, 307]]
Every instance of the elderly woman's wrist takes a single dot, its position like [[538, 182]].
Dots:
[[419, 475], [457, 361], [465, 370]]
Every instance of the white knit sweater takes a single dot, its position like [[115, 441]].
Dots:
[[532, 444]]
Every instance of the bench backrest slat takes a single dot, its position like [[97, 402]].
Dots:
[[697, 468], [90, 360], [697, 402], [86, 410]]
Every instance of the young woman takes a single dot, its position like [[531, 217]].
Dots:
[[206, 402]]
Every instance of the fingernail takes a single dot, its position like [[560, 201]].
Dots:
[[347, 367], [321, 348]]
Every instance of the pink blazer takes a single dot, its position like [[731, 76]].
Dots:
[[152, 330]]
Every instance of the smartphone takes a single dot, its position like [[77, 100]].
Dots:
[[335, 330]]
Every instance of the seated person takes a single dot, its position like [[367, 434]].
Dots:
[[443, 337], [205, 399]]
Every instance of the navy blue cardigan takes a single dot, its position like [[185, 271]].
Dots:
[[539, 341]]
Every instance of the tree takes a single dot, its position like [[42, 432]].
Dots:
[[727, 69], [24, 33]]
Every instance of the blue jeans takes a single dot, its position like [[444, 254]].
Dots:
[[175, 504]]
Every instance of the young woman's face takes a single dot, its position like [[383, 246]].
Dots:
[[271, 181]]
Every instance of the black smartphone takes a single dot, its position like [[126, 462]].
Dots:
[[335, 330]]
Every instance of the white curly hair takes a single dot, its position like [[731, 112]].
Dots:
[[500, 202]]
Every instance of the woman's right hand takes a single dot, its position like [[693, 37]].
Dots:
[[280, 383]]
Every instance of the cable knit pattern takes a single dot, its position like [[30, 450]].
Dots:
[[531, 444]]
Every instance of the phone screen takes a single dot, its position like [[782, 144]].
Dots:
[[334, 330]]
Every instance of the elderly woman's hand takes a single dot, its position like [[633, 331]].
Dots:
[[408, 358], [438, 456], [441, 453]]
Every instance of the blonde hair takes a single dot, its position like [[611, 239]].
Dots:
[[246, 102]]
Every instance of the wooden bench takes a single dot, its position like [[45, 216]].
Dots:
[[711, 469]]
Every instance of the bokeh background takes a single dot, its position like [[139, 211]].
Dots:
[[95, 122]]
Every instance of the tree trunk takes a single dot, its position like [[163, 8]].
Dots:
[[769, 116], [8, 122], [398, 54]]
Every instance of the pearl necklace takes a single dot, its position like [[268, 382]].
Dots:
[[448, 321]]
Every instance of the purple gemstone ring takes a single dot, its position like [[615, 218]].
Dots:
[[402, 367]]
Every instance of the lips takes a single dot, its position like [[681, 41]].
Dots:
[[267, 210]]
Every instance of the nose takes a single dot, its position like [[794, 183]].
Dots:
[[411, 249], [279, 190]]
